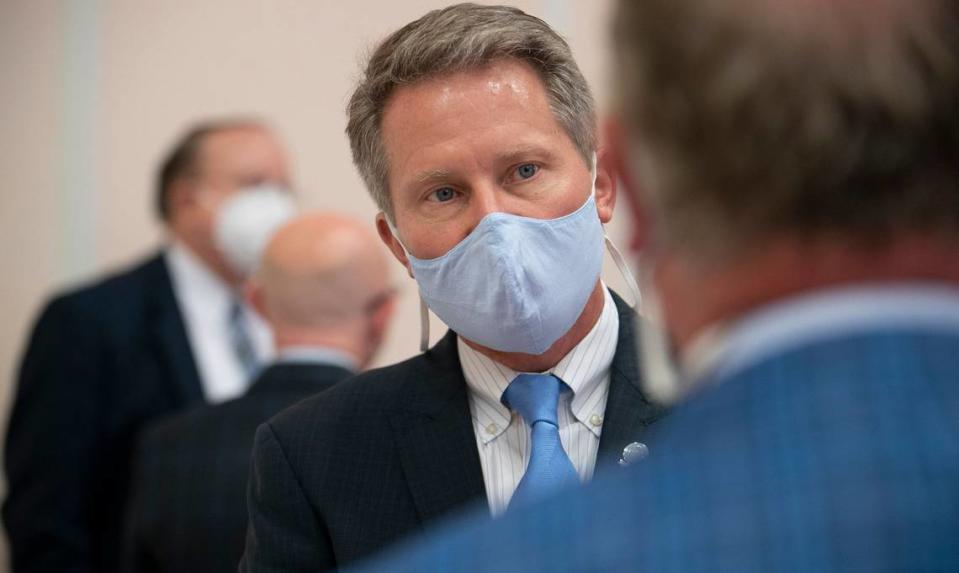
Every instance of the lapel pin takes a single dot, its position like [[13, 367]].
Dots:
[[633, 453]]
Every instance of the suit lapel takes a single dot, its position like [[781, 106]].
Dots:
[[628, 411], [177, 363], [434, 433], [434, 436]]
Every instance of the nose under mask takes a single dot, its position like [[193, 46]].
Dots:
[[515, 284], [454, 286]]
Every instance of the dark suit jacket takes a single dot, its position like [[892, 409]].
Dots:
[[188, 505], [839, 455], [343, 475], [101, 361]]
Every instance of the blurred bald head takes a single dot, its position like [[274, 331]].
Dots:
[[753, 118], [324, 280]]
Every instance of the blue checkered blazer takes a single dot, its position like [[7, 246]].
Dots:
[[842, 455]]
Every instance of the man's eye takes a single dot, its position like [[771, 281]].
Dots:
[[527, 170], [442, 195]]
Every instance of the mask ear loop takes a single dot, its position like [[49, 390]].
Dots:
[[661, 379], [659, 376], [625, 272], [424, 326], [424, 310]]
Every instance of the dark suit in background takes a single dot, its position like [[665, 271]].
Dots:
[[188, 495], [101, 361], [343, 475]]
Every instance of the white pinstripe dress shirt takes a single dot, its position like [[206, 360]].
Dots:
[[502, 437]]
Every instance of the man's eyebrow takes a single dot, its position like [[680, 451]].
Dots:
[[519, 153], [431, 175], [509, 155]]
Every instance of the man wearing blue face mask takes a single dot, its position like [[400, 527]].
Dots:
[[475, 133], [107, 358], [794, 166]]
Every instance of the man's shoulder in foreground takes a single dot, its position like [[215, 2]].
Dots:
[[841, 455]]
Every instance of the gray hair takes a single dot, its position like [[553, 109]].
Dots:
[[457, 38], [754, 119]]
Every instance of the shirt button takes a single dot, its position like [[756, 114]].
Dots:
[[492, 429], [596, 419]]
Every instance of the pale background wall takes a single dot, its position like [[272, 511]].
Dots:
[[92, 92]]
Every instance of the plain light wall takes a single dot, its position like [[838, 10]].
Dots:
[[93, 92]]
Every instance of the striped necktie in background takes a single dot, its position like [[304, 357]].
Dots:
[[242, 342]]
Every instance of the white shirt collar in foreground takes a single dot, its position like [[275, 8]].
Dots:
[[724, 350], [582, 369]]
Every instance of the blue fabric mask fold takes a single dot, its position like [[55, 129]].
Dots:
[[516, 284]]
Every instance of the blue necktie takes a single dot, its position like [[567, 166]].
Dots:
[[242, 343], [535, 397]]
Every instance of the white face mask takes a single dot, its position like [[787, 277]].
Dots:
[[246, 221]]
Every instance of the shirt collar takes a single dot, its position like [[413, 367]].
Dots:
[[723, 350], [583, 369], [316, 355], [199, 288]]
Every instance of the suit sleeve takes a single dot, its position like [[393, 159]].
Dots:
[[51, 444], [283, 533]]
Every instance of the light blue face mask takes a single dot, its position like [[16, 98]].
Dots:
[[516, 284]]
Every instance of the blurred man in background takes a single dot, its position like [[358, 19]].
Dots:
[[324, 287], [106, 358], [476, 134], [794, 168]]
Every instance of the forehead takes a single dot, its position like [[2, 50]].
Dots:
[[482, 108], [482, 91], [239, 146]]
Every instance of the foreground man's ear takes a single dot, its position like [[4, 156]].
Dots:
[[621, 169], [606, 185]]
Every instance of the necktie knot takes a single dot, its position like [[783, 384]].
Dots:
[[534, 396]]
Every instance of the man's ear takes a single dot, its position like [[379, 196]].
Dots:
[[622, 169], [181, 195], [605, 185], [391, 242]]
